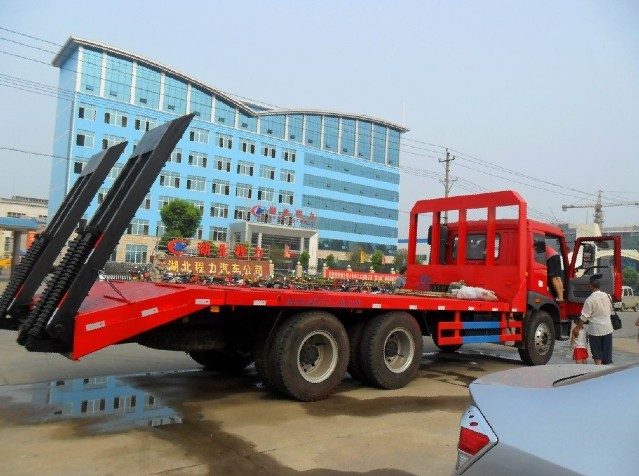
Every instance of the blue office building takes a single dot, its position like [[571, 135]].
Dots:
[[333, 177]]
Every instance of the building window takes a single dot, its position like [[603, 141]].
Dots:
[[147, 87], [145, 124], [287, 176], [313, 130], [78, 166], [170, 179], [348, 136], [138, 227], [197, 184], [224, 113], [201, 104], [88, 113], [218, 233], [174, 96], [248, 146], [219, 210], [268, 151], [267, 172], [16, 215], [223, 164], [288, 155], [245, 168], [164, 200], [199, 135], [296, 127], [242, 213], [176, 156], [116, 118], [221, 187], [265, 194], [85, 139], [286, 197], [119, 75], [135, 254], [243, 190], [364, 135], [91, 72], [109, 141], [331, 133], [273, 126], [146, 203], [198, 159], [115, 171], [224, 140], [198, 204]]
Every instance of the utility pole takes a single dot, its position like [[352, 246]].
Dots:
[[448, 182]]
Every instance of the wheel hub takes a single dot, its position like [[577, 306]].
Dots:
[[317, 356], [542, 339], [399, 350]]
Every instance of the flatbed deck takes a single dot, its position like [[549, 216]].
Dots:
[[118, 310]]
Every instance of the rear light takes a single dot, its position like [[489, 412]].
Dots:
[[476, 437], [471, 442]]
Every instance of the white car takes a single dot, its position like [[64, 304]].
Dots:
[[558, 420]]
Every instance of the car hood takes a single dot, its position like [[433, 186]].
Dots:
[[582, 418]]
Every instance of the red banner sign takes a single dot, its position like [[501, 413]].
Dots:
[[357, 276]]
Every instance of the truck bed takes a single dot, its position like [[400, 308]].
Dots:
[[119, 310]]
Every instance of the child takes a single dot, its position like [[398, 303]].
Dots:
[[579, 345]]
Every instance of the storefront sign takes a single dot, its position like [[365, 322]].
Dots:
[[216, 266]]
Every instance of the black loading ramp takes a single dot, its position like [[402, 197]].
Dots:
[[49, 326], [36, 264]]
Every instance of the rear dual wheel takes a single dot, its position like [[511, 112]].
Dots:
[[390, 350], [307, 357]]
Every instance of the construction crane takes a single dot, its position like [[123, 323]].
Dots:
[[598, 206]]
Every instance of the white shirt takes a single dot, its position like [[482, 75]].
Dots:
[[596, 312], [581, 342]]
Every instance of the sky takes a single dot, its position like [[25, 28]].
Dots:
[[541, 97]]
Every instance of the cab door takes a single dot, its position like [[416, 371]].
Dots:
[[599, 255]]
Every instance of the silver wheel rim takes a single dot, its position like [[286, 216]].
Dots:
[[317, 356], [399, 350], [542, 339]]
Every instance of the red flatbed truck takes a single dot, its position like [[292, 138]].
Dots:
[[303, 342]]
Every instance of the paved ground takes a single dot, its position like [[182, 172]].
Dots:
[[131, 410]]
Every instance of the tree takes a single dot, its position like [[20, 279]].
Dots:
[[330, 261], [401, 259], [305, 257], [180, 218], [630, 277], [376, 260]]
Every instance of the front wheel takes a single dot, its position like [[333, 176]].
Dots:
[[539, 339], [308, 356], [391, 350]]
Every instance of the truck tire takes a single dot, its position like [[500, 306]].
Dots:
[[354, 361], [226, 360], [539, 339], [391, 350], [308, 356]]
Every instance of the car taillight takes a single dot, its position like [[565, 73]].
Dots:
[[476, 437], [470, 442]]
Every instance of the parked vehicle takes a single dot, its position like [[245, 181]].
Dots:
[[303, 341], [629, 300], [578, 419]]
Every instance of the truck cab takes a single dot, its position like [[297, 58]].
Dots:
[[506, 253]]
